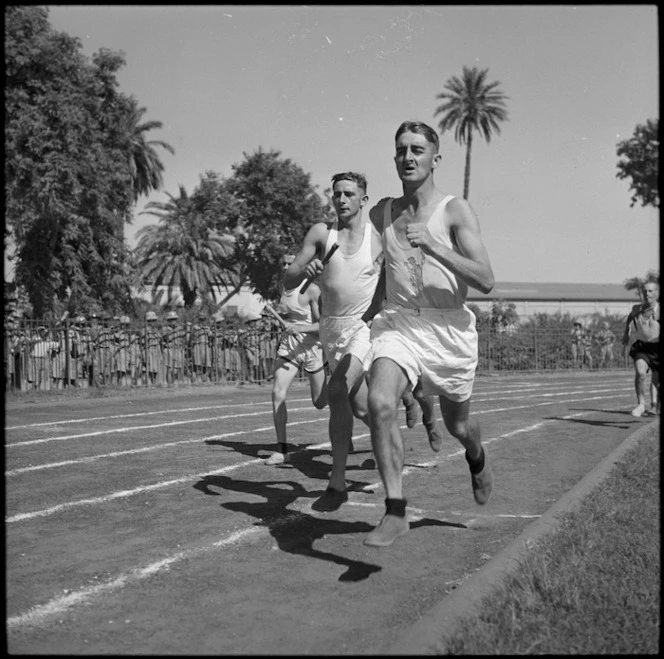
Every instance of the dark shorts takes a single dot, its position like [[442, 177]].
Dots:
[[647, 351]]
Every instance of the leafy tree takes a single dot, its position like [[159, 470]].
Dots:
[[471, 104], [274, 205], [640, 163], [182, 252], [68, 186], [503, 315], [145, 167]]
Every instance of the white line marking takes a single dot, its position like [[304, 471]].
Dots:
[[409, 469], [151, 427], [152, 413], [39, 614], [146, 449]]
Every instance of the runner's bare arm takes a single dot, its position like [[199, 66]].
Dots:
[[312, 246]]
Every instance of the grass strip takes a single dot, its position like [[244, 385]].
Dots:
[[592, 586]]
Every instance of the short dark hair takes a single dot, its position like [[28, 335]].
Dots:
[[356, 177], [420, 128]]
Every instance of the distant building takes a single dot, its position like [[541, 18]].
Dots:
[[245, 303], [575, 299]]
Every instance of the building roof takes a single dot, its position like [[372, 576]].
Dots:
[[537, 291]]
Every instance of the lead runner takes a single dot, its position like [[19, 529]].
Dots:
[[426, 333]]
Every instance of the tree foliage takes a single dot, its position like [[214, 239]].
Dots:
[[639, 161], [471, 105], [68, 183], [183, 251], [145, 167], [274, 205]]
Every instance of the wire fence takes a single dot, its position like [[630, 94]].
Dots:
[[44, 357]]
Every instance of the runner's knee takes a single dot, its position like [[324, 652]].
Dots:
[[381, 408]]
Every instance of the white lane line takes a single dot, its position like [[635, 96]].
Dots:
[[156, 447], [567, 392], [152, 413], [373, 487], [419, 513], [550, 402], [38, 615], [169, 424]]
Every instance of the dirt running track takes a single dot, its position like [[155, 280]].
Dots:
[[147, 523]]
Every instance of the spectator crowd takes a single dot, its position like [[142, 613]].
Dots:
[[113, 350]]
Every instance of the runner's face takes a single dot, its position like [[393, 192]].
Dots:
[[415, 157], [652, 293], [348, 199]]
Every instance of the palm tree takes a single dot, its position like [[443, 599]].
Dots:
[[181, 252], [471, 105], [144, 164], [634, 284]]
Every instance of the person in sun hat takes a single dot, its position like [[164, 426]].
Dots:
[[122, 355], [44, 348], [201, 347], [152, 347], [173, 336], [299, 347]]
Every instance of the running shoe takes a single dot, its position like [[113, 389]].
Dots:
[[482, 482], [638, 410], [278, 459], [330, 501], [434, 434], [389, 529], [411, 412]]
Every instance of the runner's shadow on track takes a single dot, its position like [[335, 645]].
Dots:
[[591, 422], [626, 413], [435, 522], [252, 450], [294, 531], [302, 458]]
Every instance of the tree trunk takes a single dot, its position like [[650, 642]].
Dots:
[[466, 174]]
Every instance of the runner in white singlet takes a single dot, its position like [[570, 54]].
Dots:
[[299, 346], [433, 252], [348, 284]]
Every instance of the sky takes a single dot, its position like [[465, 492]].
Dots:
[[327, 87]]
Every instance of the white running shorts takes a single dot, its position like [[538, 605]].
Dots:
[[306, 352], [436, 346], [344, 335]]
